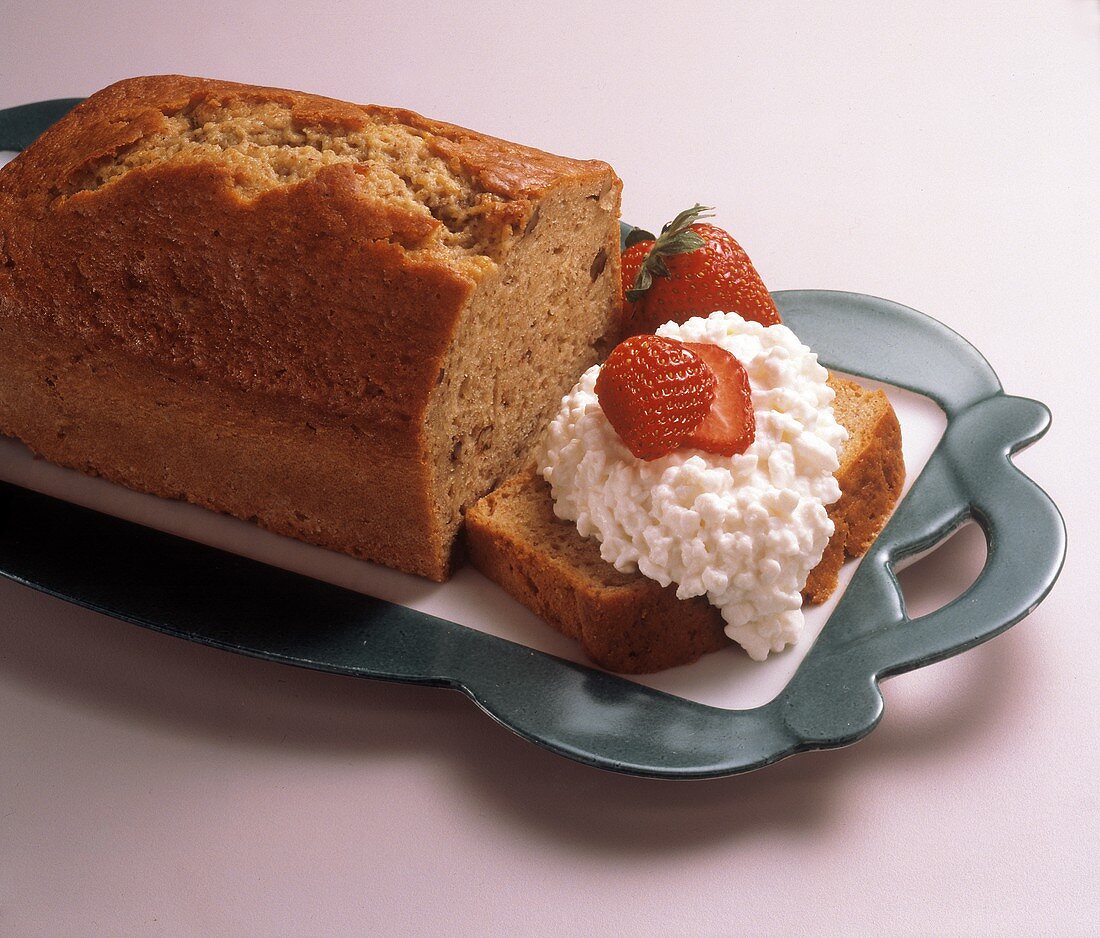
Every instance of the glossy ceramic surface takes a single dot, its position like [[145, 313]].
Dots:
[[206, 595]]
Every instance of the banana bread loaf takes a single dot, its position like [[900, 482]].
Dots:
[[343, 322]]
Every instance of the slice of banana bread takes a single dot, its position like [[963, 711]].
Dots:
[[344, 322], [626, 622]]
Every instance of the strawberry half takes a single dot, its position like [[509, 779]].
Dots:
[[655, 393], [730, 425]]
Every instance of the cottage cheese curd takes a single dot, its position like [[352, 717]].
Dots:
[[745, 531]]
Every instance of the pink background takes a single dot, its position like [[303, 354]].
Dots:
[[940, 154]]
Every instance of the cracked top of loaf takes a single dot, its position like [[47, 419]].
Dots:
[[429, 186]]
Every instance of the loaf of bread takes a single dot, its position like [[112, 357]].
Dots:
[[343, 322], [626, 622]]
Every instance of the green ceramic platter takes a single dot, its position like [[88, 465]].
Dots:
[[205, 595]]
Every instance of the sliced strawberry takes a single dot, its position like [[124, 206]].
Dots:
[[730, 426], [654, 392]]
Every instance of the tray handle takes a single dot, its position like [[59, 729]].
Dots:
[[1021, 526], [971, 476]]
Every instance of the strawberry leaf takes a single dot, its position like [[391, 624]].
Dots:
[[682, 243], [676, 238], [637, 235], [642, 282], [657, 264], [686, 219]]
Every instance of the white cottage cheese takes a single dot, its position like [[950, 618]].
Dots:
[[745, 531]]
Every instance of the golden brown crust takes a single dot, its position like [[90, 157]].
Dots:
[[628, 623], [173, 437], [308, 286]]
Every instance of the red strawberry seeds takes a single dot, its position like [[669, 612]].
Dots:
[[730, 426], [655, 392], [661, 395]]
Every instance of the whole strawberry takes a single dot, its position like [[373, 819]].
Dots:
[[655, 393], [692, 269]]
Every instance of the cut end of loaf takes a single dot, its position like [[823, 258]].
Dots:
[[536, 324]]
